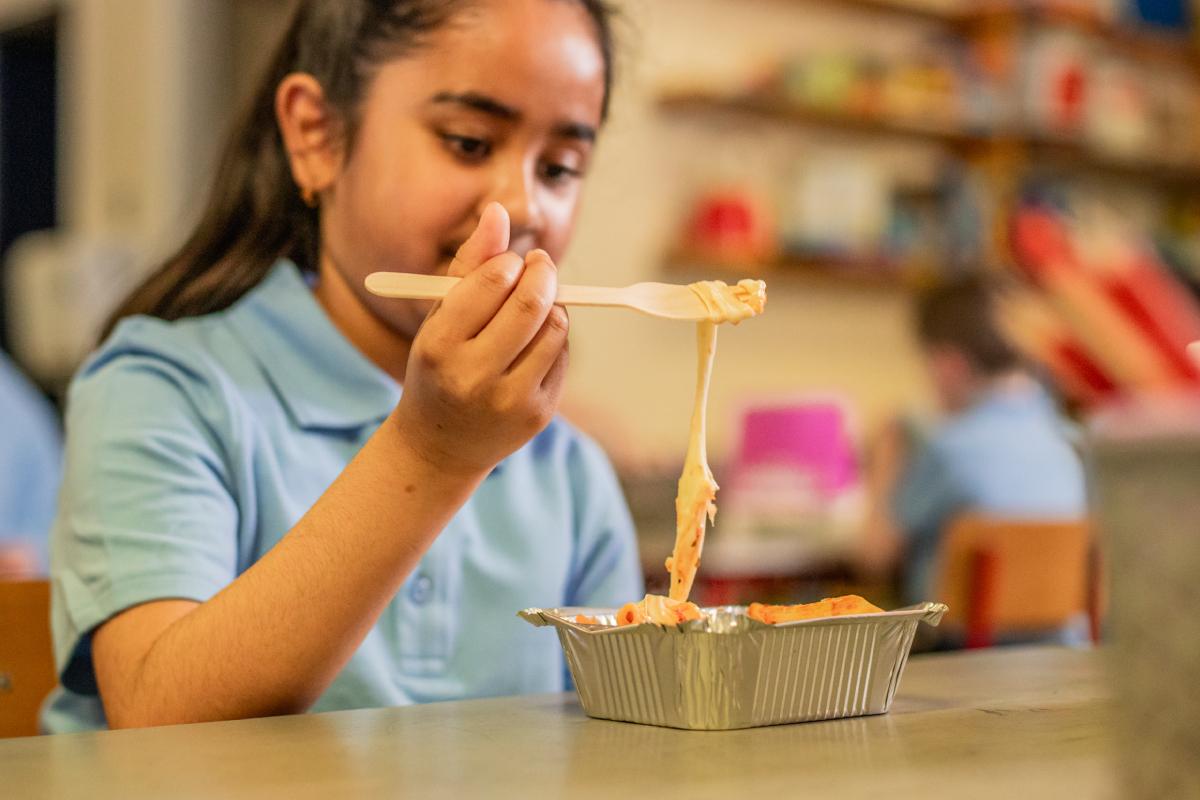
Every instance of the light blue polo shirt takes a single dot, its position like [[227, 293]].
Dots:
[[1007, 455], [194, 446]]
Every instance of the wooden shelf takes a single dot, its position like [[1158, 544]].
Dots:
[[781, 110], [909, 9], [1045, 152], [1140, 43], [830, 273], [1057, 155]]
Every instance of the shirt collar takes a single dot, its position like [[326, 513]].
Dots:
[[322, 379], [1026, 396]]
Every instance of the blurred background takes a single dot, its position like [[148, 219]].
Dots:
[[855, 154]]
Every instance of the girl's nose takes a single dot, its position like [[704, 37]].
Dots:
[[516, 189]]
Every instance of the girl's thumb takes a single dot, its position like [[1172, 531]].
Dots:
[[489, 240]]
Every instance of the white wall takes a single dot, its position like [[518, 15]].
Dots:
[[145, 100]]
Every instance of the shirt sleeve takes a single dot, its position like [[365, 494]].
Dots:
[[927, 495], [606, 571], [146, 512]]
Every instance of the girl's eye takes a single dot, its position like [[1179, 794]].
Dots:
[[467, 147], [559, 173]]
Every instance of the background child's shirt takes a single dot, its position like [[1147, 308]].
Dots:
[[30, 462], [194, 446], [1008, 455]]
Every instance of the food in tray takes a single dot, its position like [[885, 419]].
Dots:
[[658, 609], [695, 503], [665, 611], [829, 607]]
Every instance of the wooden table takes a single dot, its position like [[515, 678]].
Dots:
[[1023, 723]]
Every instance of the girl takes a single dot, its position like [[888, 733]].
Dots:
[[284, 494]]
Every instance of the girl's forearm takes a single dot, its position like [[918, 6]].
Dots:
[[274, 639]]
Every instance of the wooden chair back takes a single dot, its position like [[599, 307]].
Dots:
[[1005, 575], [27, 671]]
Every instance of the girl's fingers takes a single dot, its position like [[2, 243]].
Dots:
[[489, 240], [533, 367], [473, 304], [553, 381], [523, 313]]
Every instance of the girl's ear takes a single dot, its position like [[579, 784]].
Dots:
[[311, 134]]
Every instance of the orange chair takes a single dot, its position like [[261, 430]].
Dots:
[[26, 659], [1003, 576]]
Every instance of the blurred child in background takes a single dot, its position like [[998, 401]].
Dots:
[[999, 449], [30, 460]]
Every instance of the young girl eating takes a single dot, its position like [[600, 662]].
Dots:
[[283, 494]]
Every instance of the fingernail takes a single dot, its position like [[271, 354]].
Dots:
[[540, 254]]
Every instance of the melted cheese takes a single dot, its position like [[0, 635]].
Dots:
[[658, 609], [695, 503], [731, 303]]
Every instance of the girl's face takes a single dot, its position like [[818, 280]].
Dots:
[[503, 104]]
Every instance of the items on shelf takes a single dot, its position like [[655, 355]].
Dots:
[[923, 90], [837, 207], [731, 226], [1060, 83], [841, 216]]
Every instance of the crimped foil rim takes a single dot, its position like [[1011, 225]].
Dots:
[[929, 613]]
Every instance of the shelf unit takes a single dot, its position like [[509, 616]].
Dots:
[[1057, 153], [1003, 154], [769, 107], [912, 10]]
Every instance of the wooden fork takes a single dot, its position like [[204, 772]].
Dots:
[[665, 300]]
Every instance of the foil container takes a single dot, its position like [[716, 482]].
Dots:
[[727, 671]]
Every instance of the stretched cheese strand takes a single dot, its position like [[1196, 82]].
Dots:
[[697, 489]]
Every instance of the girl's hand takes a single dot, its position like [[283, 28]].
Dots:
[[486, 369]]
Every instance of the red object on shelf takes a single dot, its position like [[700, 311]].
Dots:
[[1070, 96], [730, 225]]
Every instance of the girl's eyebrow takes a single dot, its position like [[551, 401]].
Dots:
[[575, 130], [477, 102], [493, 107]]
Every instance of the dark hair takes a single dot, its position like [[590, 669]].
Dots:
[[255, 215], [962, 314]]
